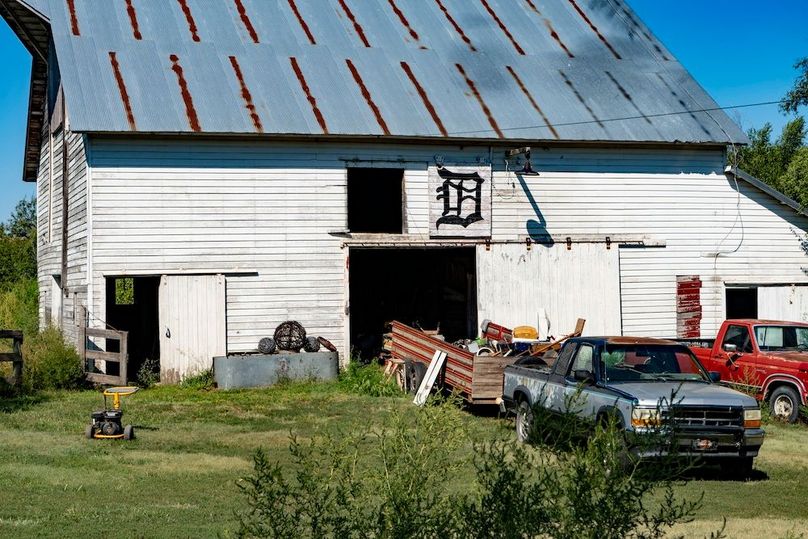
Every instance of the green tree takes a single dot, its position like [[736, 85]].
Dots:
[[18, 245], [794, 182], [798, 95], [769, 160]]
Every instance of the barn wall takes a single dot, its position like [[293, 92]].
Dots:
[[49, 234], [261, 214]]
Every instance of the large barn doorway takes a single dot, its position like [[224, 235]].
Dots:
[[132, 307], [429, 288]]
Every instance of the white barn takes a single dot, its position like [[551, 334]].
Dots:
[[238, 163]]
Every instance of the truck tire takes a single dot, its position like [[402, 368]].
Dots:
[[524, 422], [738, 469], [785, 404]]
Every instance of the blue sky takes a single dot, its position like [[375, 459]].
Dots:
[[740, 51]]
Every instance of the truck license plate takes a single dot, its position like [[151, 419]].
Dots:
[[703, 444]]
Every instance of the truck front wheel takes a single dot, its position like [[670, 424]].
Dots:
[[785, 404], [524, 421]]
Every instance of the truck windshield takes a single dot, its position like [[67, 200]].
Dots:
[[773, 338], [641, 363]]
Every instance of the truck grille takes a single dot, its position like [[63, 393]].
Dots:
[[704, 416]]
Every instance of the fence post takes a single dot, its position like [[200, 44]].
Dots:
[[17, 365], [82, 337], [124, 351]]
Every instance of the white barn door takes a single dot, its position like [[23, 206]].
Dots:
[[192, 324], [788, 303]]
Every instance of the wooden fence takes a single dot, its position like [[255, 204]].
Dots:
[[14, 357], [91, 353]]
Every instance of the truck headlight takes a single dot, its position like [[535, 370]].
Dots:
[[645, 417], [751, 418]]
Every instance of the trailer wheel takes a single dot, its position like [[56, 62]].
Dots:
[[785, 404], [89, 432], [524, 422], [129, 432], [418, 373]]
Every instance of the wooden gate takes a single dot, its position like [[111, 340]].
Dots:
[[14, 357], [92, 353]]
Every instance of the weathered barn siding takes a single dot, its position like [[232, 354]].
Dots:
[[261, 214], [50, 219], [783, 302]]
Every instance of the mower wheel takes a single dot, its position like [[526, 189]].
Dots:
[[89, 432], [129, 432]]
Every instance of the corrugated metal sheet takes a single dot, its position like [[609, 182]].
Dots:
[[470, 69]]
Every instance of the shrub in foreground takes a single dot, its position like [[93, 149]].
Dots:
[[419, 477], [50, 362]]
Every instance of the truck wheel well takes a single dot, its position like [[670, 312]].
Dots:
[[780, 383], [605, 415], [520, 396]]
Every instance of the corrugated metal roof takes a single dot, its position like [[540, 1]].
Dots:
[[570, 70]]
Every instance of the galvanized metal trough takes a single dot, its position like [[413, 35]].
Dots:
[[264, 370]]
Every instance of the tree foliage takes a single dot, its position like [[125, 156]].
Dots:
[[798, 95], [18, 245]]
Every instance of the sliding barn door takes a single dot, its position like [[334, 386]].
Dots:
[[192, 324]]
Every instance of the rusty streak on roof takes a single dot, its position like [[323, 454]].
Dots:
[[311, 99], [473, 87], [502, 27], [532, 101], [368, 98], [425, 99], [189, 18], [190, 109], [456, 26], [403, 19], [245, 19], [247, 96], [357, 27], [303, 24], [127, 105], [130, 11], [594, 29], [74, 20]]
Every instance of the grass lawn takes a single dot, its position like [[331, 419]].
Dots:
[[178, 479]]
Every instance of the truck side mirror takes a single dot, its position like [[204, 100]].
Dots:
[[584, 376], [731, 348], [715, 376]]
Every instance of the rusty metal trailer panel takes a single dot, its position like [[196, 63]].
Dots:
[[477, 378]]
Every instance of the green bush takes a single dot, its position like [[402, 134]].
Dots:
[[149, 373], [202, 381], [418, 477], [367, 380], [50, 362]]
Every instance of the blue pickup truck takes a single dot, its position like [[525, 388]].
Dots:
[[631, 380]]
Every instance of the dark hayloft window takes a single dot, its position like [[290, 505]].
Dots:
[[375, 200]]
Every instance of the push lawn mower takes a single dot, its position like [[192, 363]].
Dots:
[[107, 422]]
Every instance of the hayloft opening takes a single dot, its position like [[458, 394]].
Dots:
[[375, 200], [742, 302], [132, 306], [426, 288]]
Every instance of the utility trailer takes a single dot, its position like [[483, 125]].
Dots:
[[477, 378]]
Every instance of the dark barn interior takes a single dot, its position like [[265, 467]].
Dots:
[[426, 288], [132, 306]]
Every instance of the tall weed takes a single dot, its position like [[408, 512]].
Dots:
[[367, 380]]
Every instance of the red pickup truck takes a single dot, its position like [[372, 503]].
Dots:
[[767, 357]]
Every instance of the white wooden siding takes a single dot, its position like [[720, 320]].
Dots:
[[520, 287], [49, 236], [261, 212]]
